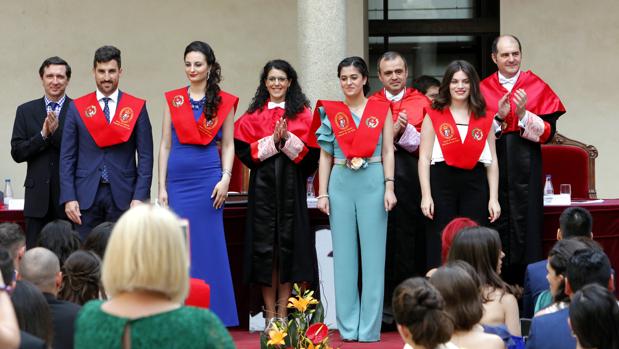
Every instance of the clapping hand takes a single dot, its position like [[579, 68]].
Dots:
[[281, 131], [504, 106], [520, 99], [400, 125]]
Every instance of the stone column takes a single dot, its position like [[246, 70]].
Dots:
[[322, 45]]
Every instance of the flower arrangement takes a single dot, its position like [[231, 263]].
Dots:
[[304, 329]]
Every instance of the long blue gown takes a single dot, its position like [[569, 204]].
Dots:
[[193, 172]]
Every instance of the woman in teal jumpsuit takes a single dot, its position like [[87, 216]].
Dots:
[[357, 192]]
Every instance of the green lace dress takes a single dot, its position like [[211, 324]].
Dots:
[[185, 327]]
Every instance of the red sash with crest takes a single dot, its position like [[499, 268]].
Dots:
[[355, 141], [457, 154], [203, 131], [120, 129], [541, 99], [414, 103]]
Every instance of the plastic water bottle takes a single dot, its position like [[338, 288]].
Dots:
[[310, 187], [8, 191], [548, 189]]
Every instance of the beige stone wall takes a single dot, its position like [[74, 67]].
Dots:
[[151, 35], [573, 45]]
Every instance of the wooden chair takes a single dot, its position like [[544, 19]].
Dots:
[[569, 161]]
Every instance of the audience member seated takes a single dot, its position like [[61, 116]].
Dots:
[[573, 222], [9, 330], [481, 248], [41, 267], [463, 303], [59, 237], [146, 273], [33, 314], [13, 239], [98, 237], [420, 316], [449, 232], [585, 267], [594, 318], [555, 298], [81, 278]]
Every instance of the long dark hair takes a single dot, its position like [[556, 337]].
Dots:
[[481, 248], [477, 103], [81, 278], [32, 311], [296, 101], [361, 66], [214, 77]]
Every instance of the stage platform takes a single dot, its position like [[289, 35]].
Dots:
[[389, 340]]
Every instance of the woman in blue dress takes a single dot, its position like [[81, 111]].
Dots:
[[193, 179], [356, 190]]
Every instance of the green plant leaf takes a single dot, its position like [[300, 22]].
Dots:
[[319, 314]]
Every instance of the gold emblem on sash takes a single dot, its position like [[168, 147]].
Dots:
[[446, 130], [126, 114], [178, 100], [210, 124], [372, 122], [477, 134], [90, 111], [342, 120]]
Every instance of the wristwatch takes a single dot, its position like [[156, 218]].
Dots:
[[498, 118]]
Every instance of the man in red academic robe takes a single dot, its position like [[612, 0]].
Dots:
[[525, 110], [406, 240]]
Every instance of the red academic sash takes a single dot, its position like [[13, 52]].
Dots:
[[457, 154], [354, 141], [251, 127], [120, 129], [413, 102], [203, 131], [541, 99]]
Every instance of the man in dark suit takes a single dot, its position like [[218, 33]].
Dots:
[[37, 132], [41, 267], [103, 132], [573, 222], [551, 331]]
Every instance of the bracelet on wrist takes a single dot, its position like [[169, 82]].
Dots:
[[498, 118], [322, 196], [389, 179], [225, 171]]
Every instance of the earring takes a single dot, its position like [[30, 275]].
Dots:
[[208, 74]]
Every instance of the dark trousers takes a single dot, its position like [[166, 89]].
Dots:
[[34, 225], [103, 209], [456, 193]]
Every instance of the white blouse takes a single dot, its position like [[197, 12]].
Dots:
[[437, 153]]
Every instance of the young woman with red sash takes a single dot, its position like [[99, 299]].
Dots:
[[458, 171], [193, 178], [273, 139], [356, 190]]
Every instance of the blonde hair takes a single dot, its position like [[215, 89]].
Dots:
[[147, 252]]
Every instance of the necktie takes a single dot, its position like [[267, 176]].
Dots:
[[105, 177], [52, 107], [106, 108], [272, 105]]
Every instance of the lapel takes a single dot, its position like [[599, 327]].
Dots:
[[40, 113]]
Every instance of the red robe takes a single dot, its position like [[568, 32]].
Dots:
[[520, 171]]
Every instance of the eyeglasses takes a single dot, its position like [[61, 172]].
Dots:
[[274, 79]]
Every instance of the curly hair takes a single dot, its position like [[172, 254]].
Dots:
[[296, 100], [477, 103], [81, 278], [214, 77]]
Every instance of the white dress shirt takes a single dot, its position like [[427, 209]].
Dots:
[[111, 104]]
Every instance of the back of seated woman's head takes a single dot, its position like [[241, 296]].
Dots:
[[558, 257], [418, 306], [481, 248], [98, 238], [460, 289], [147, 252], [32, 310], [81, 277], [594, 317], [59, 237], [449, 232]]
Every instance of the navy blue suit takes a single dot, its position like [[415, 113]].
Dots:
[[551, 331], [535, 282], [81, 164]]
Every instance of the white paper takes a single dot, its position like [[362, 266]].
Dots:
[[16, 204]]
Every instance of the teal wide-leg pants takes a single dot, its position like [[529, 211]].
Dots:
[[358, 223]]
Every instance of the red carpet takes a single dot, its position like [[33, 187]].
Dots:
[[389, 340]]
